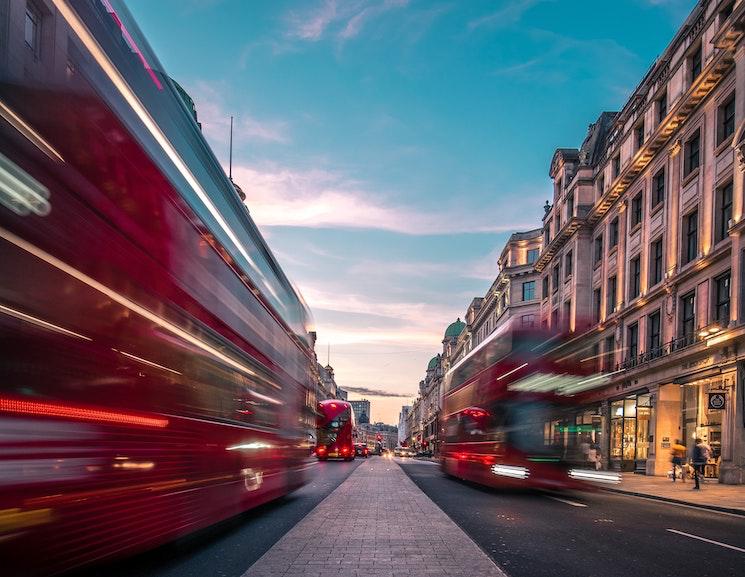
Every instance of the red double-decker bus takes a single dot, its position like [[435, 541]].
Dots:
[[505, 410], [155, 371], [335, 432]]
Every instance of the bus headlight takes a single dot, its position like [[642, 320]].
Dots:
[[608, 477]]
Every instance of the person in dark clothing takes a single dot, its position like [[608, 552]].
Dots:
[[701, 454]]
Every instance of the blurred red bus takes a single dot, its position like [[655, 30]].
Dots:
[[505, 410], [335, 431], [155, 373]]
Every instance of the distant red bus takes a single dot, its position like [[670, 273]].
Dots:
[[335, 430], [506, 408]]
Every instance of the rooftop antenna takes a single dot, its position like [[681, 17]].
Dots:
[[328, 354], [230, 162]]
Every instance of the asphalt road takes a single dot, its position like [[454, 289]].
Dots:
[[590, 534], [229, 548]]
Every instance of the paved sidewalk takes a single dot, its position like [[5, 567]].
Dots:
[[712, 493], [375, 524]]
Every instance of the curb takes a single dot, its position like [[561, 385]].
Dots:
[[731, 511]]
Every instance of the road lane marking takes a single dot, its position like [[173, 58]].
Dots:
[[740, 549], [567, 501]]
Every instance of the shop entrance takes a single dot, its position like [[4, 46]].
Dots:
[[701, 422], [629, 447]]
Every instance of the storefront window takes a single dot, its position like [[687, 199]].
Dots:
[[630, 431]]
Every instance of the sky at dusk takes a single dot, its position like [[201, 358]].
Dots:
[[388, 148]]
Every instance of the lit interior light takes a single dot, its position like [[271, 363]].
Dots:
[[511, 471], [78, 413], [24, 128], [133, 465], [608, 477], [20, 192], [145, 361], [41, 323], [122, 300]]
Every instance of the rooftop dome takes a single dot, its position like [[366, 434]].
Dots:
[[455, 329], [433, 363]]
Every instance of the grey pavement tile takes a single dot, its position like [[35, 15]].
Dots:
[[381, 540]]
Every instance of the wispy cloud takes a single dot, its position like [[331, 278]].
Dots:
[[342, 20], [320, 198], [509, 14], [375, 393]]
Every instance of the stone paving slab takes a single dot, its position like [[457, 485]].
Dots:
[[377, 523], [712, 494]]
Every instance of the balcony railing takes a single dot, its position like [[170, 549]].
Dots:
[[664, 350]]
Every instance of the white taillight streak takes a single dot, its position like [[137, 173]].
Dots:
[[511, 471]]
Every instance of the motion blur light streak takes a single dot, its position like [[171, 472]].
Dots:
[[511, 471], [121, 299], [78, 413], [596, 476], [508, 373], [20, 192], [145, 361], [41, 323], [253, 445], [146, 465], [121, 85], [18, 123]]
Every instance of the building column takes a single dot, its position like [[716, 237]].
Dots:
[[667, 416], [738, 192]]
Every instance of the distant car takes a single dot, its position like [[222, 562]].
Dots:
[[397, 452], [406, 452], [424, 454], [361, 450]]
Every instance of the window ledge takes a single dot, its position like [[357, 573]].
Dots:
[[690, 177], [656, 208], [635, 228], [724, 145]]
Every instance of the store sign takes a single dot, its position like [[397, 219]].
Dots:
[[717, 401]]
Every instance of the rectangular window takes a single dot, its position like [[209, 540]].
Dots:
[[557, 223], [555, 279], [610, 306], [688, 316], [721, 304], [568, 265], [613, 233], [636, 210], [655, 262], [529, 290], [567, 313], [724, 211], [596, 301], [545, 287], [601, 185], [610, 354], [690, 237], [726, 120], [554, 318], [662, 107], [32, 28], [547, 234], [653, 334], [597, 255], [658, 188], [635, 268], [633, 340], [527, 321], [639, 136], [570, 206], [532, 255], [692, 154], [694, 62], [616, 165]]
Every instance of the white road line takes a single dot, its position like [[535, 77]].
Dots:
[[567, 501], [740, 549]]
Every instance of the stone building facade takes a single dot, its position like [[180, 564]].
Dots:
[[643, 253]]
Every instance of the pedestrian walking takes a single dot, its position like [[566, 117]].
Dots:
[[679, 455], [701, 454]]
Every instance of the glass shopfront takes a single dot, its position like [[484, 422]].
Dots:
[[701, 422], [630, 434]]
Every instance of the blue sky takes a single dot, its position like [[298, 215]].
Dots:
[[387, 148]]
